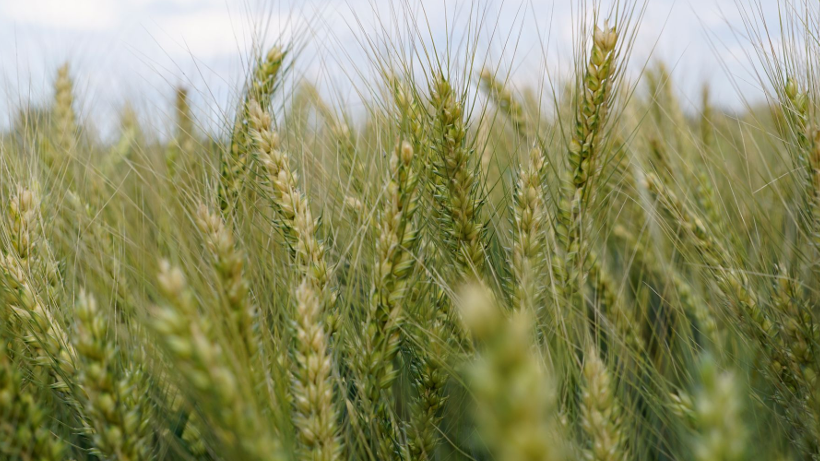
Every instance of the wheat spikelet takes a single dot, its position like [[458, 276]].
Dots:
[[120, 426], [795, 363], [28, 254], [735, 286], [515, 409], [23, 216], [314, 298], [796, 325], [707, 133], [442, 144], [795, 107], [24, 423], [228, 262], [180, 150], [813, 192], [204, 367], [235, 163], [96, 235], [430, 375], [733, 283], [295, 217], [505, 101], [601, 417], [344, 139], [410, 116], [691, 302], [806, 148], [435, 319], [717, 416], [315, 417], [591, 117], [456, 191], [394, 268], [395, 259], [530, 217], [585, 150], [65, 120], [627, 325]]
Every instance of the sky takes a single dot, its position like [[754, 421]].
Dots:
[[140, 50]]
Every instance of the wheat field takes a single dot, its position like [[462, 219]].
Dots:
[[464, 271]]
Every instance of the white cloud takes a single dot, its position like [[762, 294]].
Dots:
[[204, 34], [176, 3], [63, 14]]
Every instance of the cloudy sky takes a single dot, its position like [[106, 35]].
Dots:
[[139, 50]]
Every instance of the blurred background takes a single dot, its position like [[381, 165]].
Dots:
[[140, 50]]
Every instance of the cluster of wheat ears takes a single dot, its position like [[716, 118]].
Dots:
[[466, 271]]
